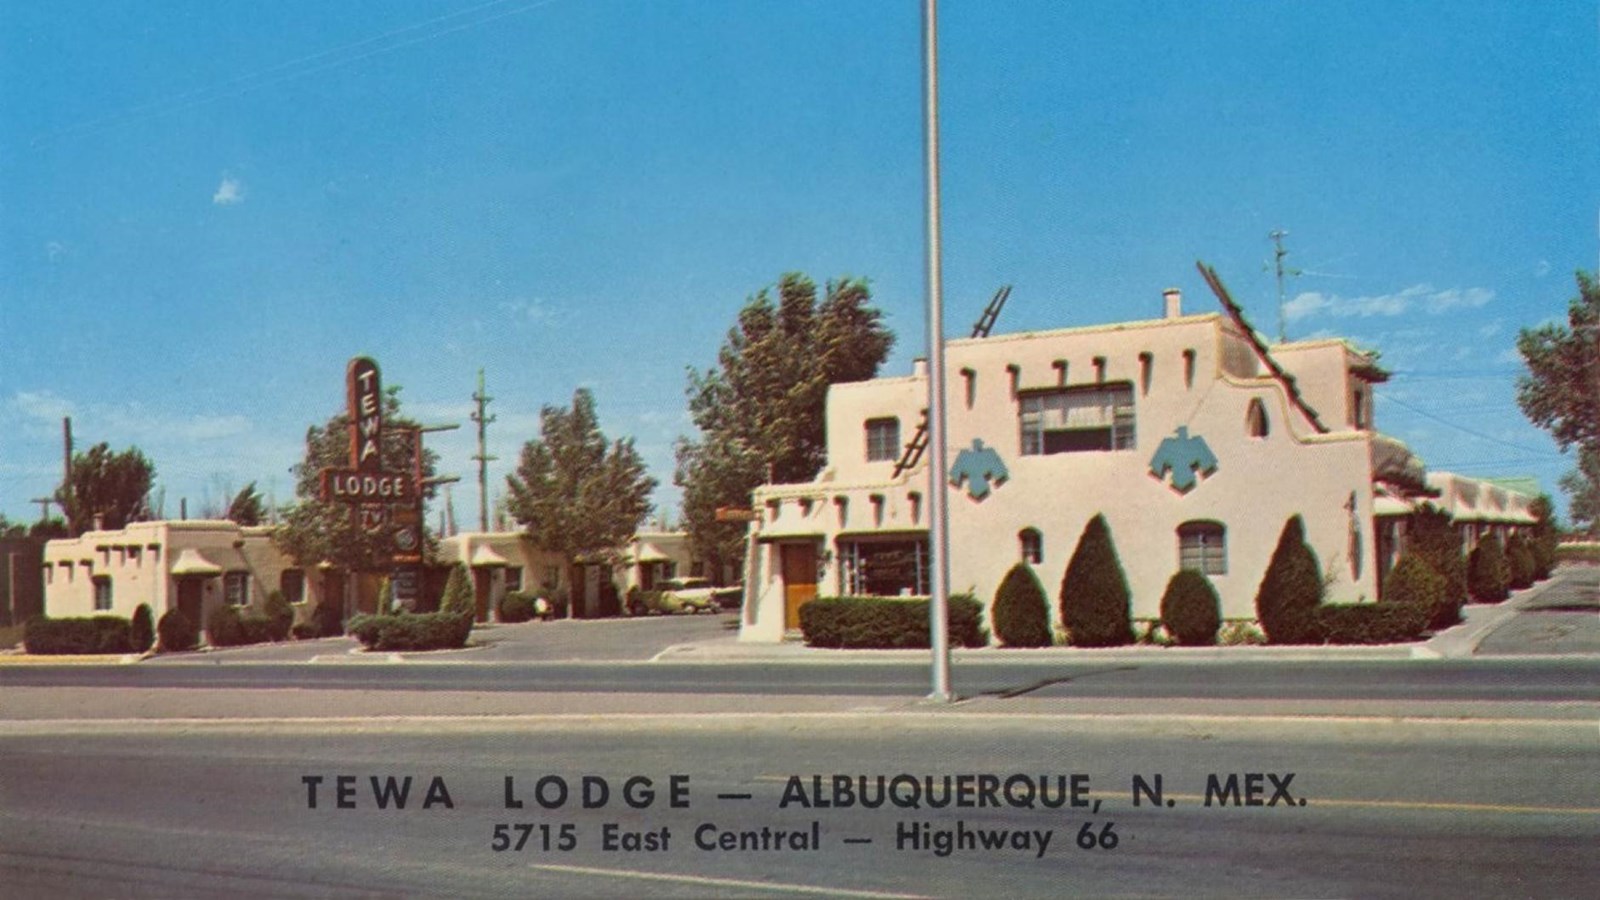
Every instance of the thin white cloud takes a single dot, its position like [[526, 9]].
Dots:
[[229, 192], [54, 250], [1423, 297]]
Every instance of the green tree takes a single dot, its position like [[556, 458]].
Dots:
[[1190, 609], [247, 507], [1095, 602], [1561, 393], [9, 529], [314, 530], [1582, 487], [1543, 536], [761, 410], [1488, 573], [575, 492], [1291, 589], [1433, 538], [113, 486]]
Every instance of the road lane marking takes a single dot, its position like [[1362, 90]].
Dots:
[[734, 883]]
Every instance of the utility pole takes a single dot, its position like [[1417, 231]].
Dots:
[[482, 399], [66, 472], [44, 507], [1277, 263]]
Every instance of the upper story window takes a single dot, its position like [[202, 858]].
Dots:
[[1203, 547], [1032, 545], [1072, 420], [236, 588], [883, 440], [1359, 413], [1255, 419]]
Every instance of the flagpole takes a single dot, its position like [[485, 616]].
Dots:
[[938, 488]]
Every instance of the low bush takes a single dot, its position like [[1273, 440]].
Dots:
[[1240, 634], [882, 623], [305, 631], [1414, 582], [1095, 602], [516, 606], [232, 626], [177, 632], [93, 634], [1384, 622], [1191, 610], [1488, 576], [1575, 553], [412, 631], [141, 629], [1021, 613], [281, 616]]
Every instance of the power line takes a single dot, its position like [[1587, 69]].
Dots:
[[1462, 428], [243, 83]]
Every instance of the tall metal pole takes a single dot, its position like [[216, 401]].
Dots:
[[1277, 259], [938, 488], [482, 399]]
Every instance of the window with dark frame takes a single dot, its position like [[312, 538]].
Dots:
[[1075, 420], [883, 439], [513, 579], [292, 584], [1203, 547], [236, 588], [1032, 546], [102, 593]]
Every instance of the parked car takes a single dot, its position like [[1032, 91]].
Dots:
[[687, 595]]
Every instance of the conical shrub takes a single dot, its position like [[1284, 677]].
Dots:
[[1021, 612], [1414, 582], [1190, 609], [1094, 592], [1520, 566], [457, 597], [1290, 591], [1488, 576]]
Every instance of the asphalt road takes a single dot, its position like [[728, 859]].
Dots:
[[1528, 680], [1390, 808]]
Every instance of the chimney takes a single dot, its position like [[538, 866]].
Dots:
[[919, 367], [1174, 298]]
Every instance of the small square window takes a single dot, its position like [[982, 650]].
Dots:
[[514, 579], [1203, 547], [883, 440]]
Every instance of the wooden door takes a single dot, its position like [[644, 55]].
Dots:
[[190, 599], [799, 580]]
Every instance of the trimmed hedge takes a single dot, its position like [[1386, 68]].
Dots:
[[88, 634], [1291, 589], [1413, 582], [412, 631], [231, 626], [1190, 609], [515, 607], [177, 632], [281, 616], [1095, 602], [1384, 622], [1520, 565], [1435, 538], [886, 623], [1021, 612], [458, 596], [141, 629], [1488, 576]]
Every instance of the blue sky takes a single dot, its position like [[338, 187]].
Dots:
[[206, 208]]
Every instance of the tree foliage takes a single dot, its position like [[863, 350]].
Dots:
[[313, 530], [1488, 573], [247, 507], [1190, 609], [761, 411], [575, 492], [113, 486], [1433, 538], [1561, 394]]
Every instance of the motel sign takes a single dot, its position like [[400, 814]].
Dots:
[[379, 499]]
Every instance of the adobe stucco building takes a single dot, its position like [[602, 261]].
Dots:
[[1193, 439]]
